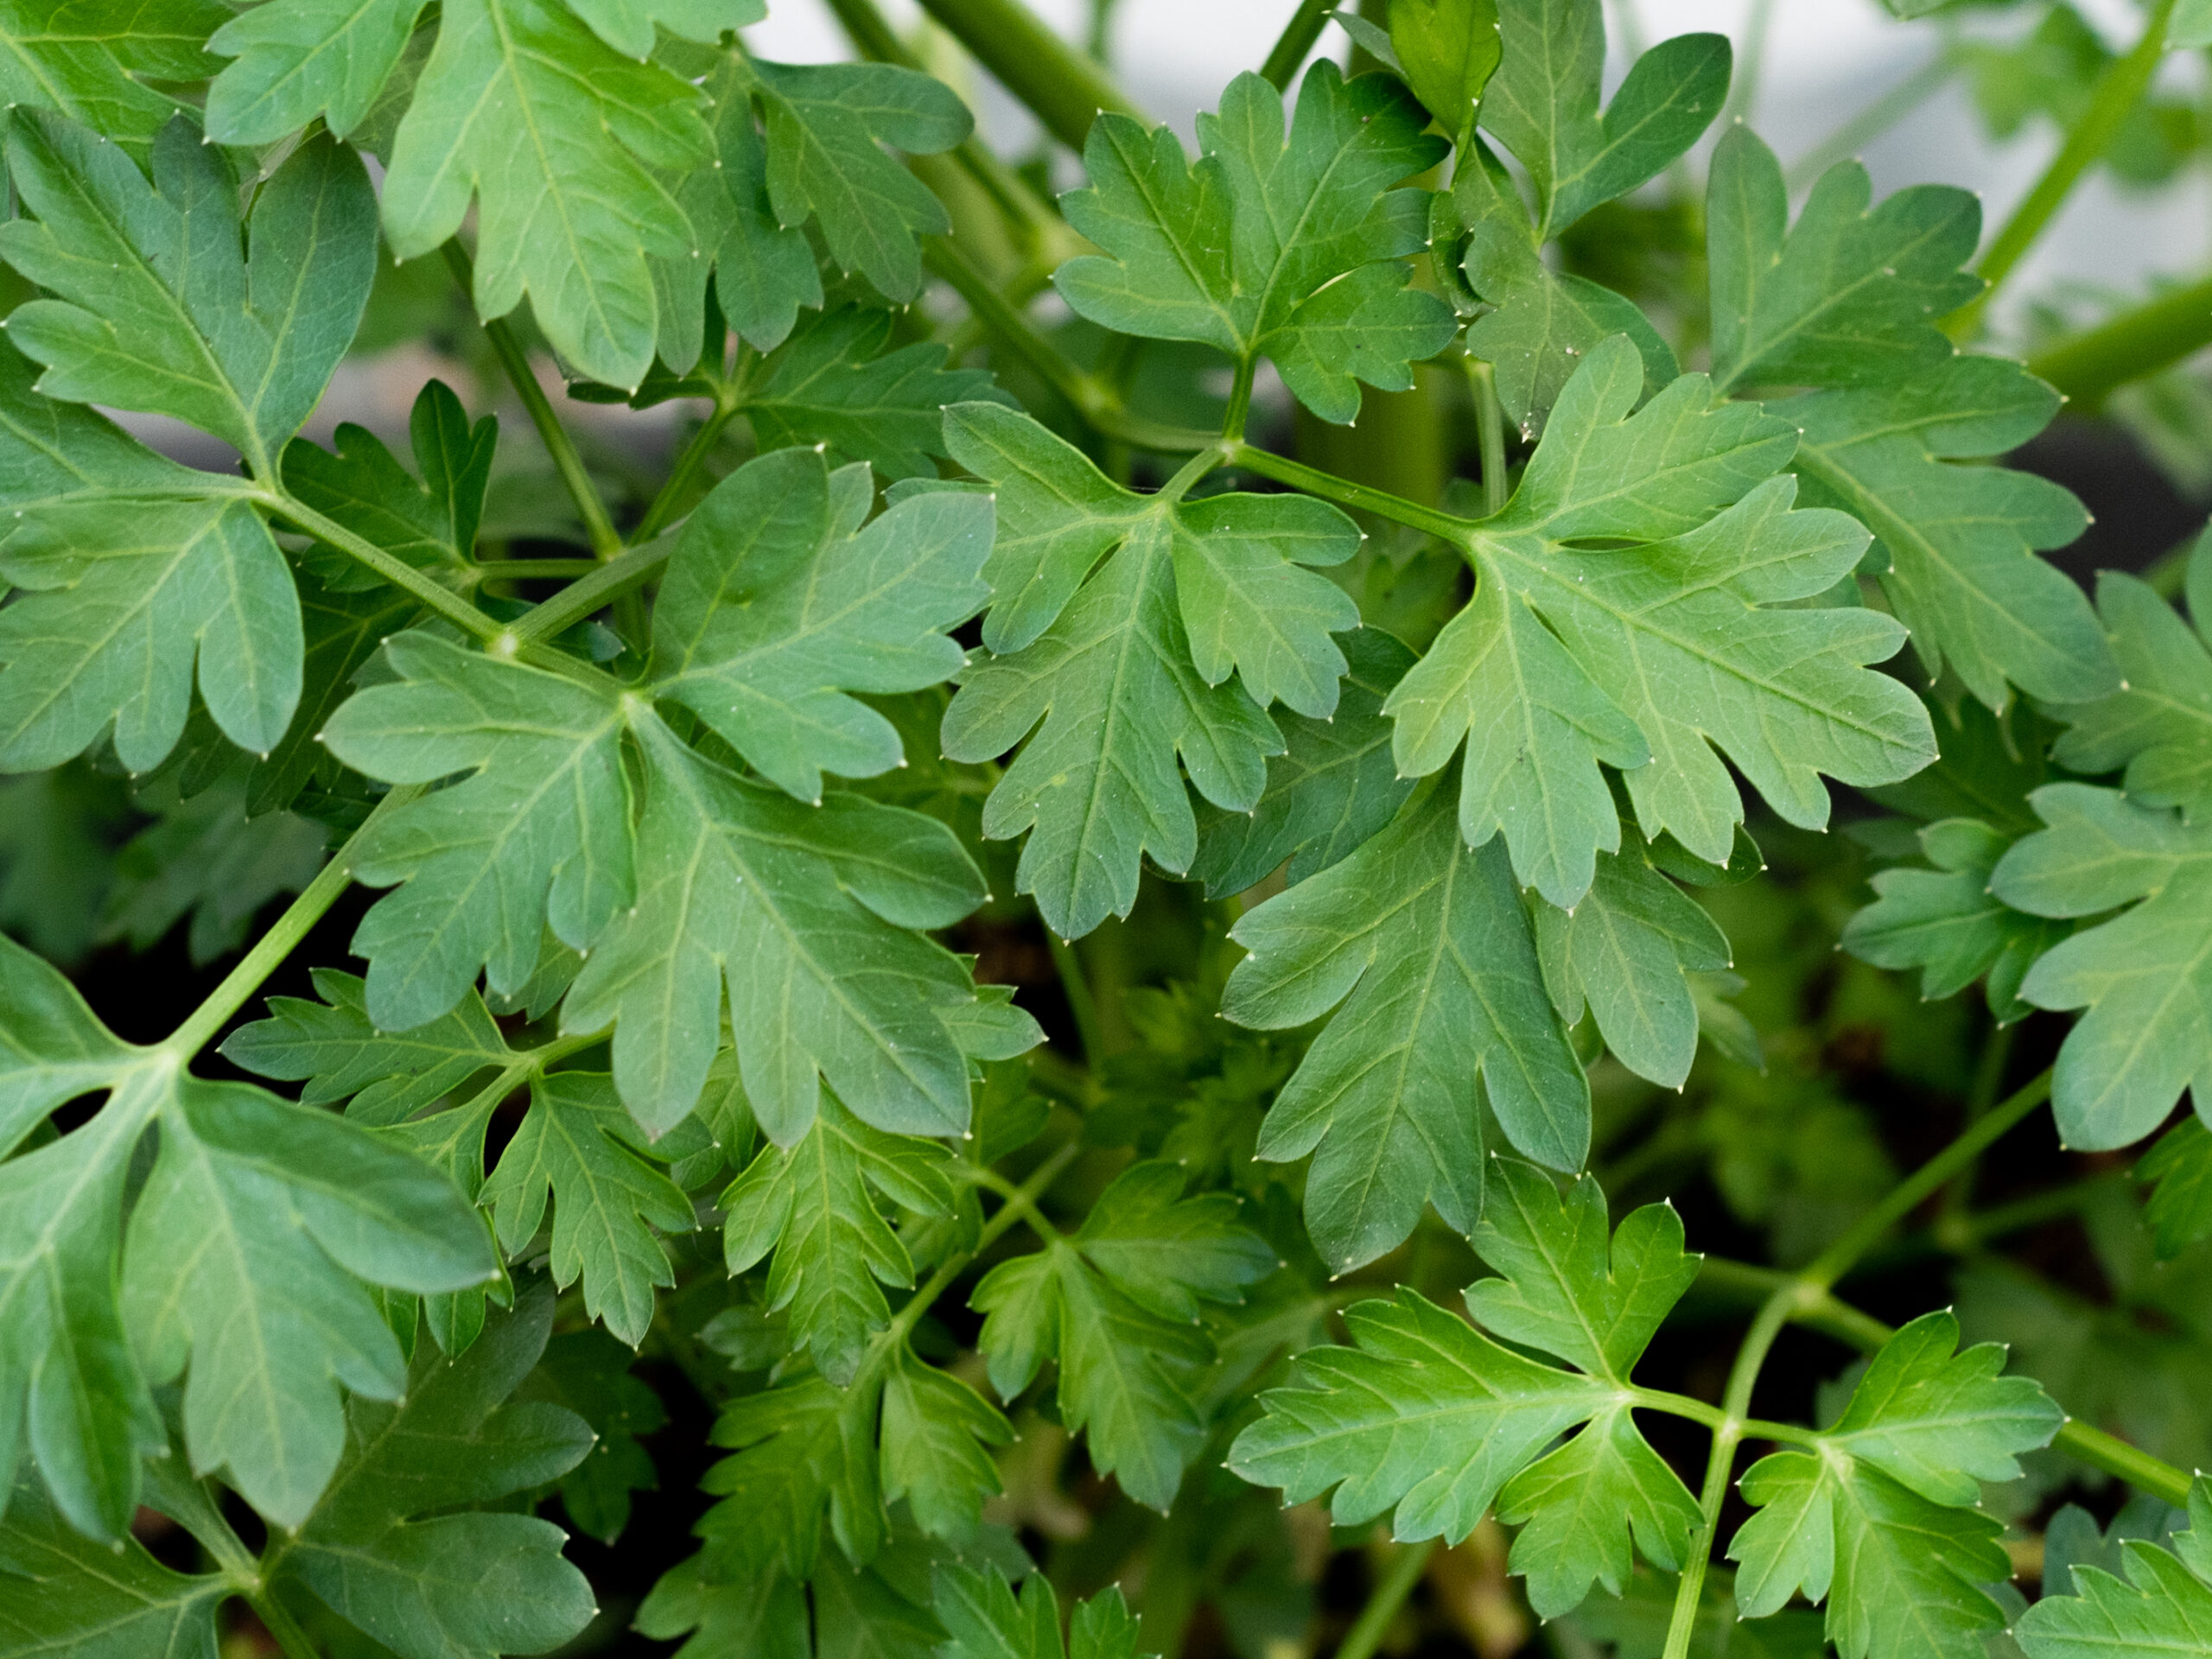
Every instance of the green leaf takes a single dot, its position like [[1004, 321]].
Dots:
[[462, 1583], [812, 1205], [809, 1453], [577, 1144], [1125, 662], [807, 914], [1543, 322], [986, 1619], [1847, 297], [1879, 1519], [537, 833], [2142, 975], [1941, 1422], [62, 1593], [427, 520], [833, 383], [295, 60], [161, 305], [1447, 52], [1117, 1304], [1625, 953], [559, 139], [1334, 785], [1947, 922], [588, 1372], [1289, 246], [92, 61], [389, 1076], [1658, 661], [1543, 105], [2163, 1604], [2157, 724], [2179, 1210], [1899, 1573], [1428, 948], [726, 1619], [57, 839], [778, 606], [1429, 1417], [243, 1254], [53, 1048]]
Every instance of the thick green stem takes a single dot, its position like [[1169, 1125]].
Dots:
[[541, 569], [1295, 42], [1383, 1601], [2088, 367], [1064, 87], [1825, 1314], [1019, 1205], [1907, 1195], [1444, 525], [668, 499], [1490, 433], [570, 465], [282, 937], [603, 587], [2117, 89], [282, 1625], [1240, 402], [434, 594]]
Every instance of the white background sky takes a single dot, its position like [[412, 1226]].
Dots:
[[1826, 59]]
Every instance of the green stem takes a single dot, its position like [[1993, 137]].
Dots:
[[904, 1321], [1823, 1312], [1445, 526], [1240, 402], [282, 1625], [1083, 1006], [1383, 1601], [1019, 1202], [2117, 92], [541, 569], [570, 465], [1874, 120], [605, 585], [1988, 1077], [2116, 1457], [2088, 367], [666, 501], [1736, 1405], [1490, 433], [433, 595], [1295, 42], [284, 936], [1065, 88], [1907, 1196]]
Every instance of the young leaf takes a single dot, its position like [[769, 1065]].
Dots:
[[1290, 246], [1429, 1417], [807, 914], [1543, 105], [2142, 975], [1947, 922], [986, 1619], [1127, 663], [2180, 1209], [778, 606], [813, 1205], [1625, 953], [1428, 949], [1879, 1519], [1848, 301], [1333, 786], [1446, 52], [465, 1582], [388, 1075], [1651, 660], [558, 138], [2163, 1605], [426, 521], [161, 306], [537, 833], [1118, 1303], [740, 1618], [2157, 724], [244, 1253], [577, 1144]]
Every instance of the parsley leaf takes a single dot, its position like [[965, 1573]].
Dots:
[[2163, 1604], [1651, 660], [91, 60], [1127, 662], [78, 1584], [1430, 1418], [1428, 950], [1288, 246], [985, 1619]]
